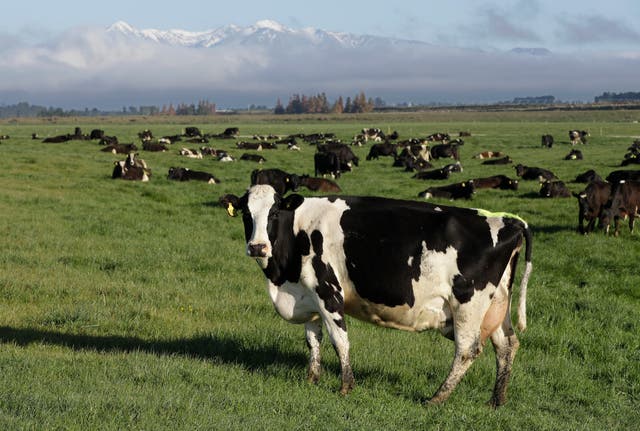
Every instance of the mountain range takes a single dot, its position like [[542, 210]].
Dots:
[[262, 33]]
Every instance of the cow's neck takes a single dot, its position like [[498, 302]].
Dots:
[[284, 264]]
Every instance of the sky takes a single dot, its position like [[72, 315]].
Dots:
[[35, 38]]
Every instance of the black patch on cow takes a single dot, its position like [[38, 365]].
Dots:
[[381, 235], [302, 243], [328, 289]]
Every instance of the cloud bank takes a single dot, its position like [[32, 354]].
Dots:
[[93, 68]]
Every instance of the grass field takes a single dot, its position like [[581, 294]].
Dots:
[[129, 305]]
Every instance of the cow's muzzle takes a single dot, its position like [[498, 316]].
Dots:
[[257, 250]]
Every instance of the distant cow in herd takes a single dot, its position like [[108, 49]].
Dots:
[[624, 202], [554, 189], [591, 202], [547, 141], [533, 173], [186, 174], [576, 136], [463, 190], [280, 180], [501, 182], [319, 184]]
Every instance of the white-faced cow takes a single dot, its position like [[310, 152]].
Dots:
[[576, 136], [399, 264]]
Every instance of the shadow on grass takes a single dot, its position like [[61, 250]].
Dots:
[[216, 348], [263, 359]]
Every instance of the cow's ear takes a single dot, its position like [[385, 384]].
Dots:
[[291, 202], [231, 203]]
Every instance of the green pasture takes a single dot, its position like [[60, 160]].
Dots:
[[127, 305]]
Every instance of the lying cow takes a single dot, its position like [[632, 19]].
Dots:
[[623, 175], [506, 160], [624, 202], [574, 154], [588, 176], [488, 155], [501, 182], [435, 174], [554, 189], [444, 268], [463, 190], [319, 184], [133, 173], [280, 180], [591, 202], [253, 158], [119, 148], [531, 173], [192, 154], [186, 174]]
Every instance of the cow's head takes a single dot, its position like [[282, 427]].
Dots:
[[264, 213]]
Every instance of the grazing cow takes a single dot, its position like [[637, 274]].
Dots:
[[591, 202], [527, 173], [327, 163], [547, 141], [574, 154], [186, 174], [588, 177], [554, 189], [346, 156], [488, 155], [501, 182], [625, 175], [445, 150], [373, 133], [319, 184], [280, 180], [398, 264], [253, 158], [119, 148], [624, 202], [576, 136], [435, 174], [192, 154], [463, 190], [384, 149], [506, 160]]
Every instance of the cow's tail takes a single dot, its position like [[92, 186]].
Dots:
[[522, 304]]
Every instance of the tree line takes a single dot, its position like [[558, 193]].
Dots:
[[629, 96], [319, 104]]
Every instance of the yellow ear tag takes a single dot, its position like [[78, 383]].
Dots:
[[231, 210]]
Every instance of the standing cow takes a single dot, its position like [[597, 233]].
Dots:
[[399, 264]]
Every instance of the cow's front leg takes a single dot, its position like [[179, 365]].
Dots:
[[313, 332]]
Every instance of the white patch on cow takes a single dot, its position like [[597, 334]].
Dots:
[[293, 303], [438, 209], [410, 261], [428, 195], [495, 224], [261, 199]]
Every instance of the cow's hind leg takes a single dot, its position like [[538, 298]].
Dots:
[[505, 342], [313, 332]]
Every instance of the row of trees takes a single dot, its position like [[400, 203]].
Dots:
[[319, 104], [629, 96]]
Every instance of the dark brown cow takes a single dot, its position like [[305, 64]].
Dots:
[[319, 184], [488, 155], [625, 202], [506, 160], [532, 173], [591, 202], [554, 189], [588, 177]]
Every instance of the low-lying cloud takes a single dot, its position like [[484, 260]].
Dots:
[[89, 68]]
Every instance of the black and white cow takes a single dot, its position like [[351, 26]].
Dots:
[[574, 154], [576, 136], [280, 180], [186, 174], [462, 190], [398, 264]]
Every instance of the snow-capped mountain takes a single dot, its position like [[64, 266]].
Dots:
[[264, 32]]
